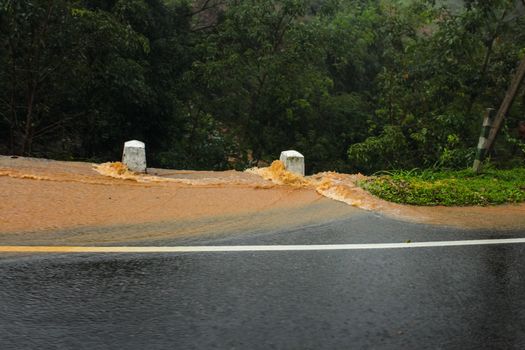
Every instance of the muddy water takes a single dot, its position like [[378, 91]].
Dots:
[[344, 188], [46, 196]]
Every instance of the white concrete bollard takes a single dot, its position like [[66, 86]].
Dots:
[[293, 161], [134, 156]]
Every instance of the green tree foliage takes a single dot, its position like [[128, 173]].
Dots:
[[358, 85], [445, 68], [82, 77]]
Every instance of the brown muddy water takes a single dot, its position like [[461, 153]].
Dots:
[[44, 196]]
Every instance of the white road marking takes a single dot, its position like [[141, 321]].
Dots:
[[252, 248]]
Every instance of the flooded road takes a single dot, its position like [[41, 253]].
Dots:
[[426, 298], [453, 297], [40, 198]]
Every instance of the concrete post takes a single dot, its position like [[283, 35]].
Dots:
[[488, 121], [293, 161], [134, 156]]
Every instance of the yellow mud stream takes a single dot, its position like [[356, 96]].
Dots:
[[344, 188]]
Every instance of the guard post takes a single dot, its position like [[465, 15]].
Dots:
[[488, 123]]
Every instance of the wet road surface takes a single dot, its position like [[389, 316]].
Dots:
[[465, 297]]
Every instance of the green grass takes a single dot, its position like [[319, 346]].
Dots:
[[450, 188]]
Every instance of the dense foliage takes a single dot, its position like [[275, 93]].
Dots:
[[355, 85]]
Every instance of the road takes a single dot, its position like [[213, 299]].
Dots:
[[455, 297]]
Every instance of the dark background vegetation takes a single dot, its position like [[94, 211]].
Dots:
[[355, 85]]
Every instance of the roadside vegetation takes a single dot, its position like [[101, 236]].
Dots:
[[449, 188]]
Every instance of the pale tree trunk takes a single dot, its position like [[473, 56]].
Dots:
[[32, 87]]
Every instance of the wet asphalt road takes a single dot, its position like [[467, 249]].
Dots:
[[426, 298]]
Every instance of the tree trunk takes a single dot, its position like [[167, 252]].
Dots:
[[28, 129], [506, 104], [483, 73]]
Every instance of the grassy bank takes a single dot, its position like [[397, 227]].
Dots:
[[450, 188]]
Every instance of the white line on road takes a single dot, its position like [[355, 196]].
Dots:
[[251, 248]]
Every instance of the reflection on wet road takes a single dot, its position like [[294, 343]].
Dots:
[[443, 297]]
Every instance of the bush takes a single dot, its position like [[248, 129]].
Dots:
[[450, 188], [386, 151]]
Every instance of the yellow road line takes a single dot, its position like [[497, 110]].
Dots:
[[251, 248]]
